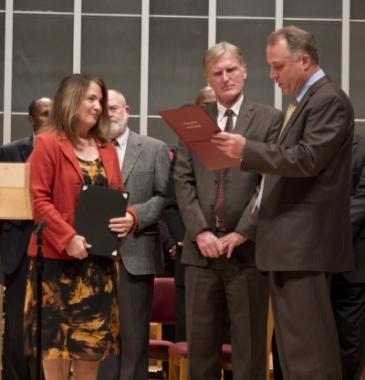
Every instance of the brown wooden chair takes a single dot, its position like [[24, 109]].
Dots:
[[163, 312], [178, 360]]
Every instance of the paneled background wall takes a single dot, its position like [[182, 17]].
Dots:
[[151, 50]]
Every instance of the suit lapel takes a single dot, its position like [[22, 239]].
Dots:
[[293, 117], [244, 118], [68, 152], [133, 151], [312, 89]]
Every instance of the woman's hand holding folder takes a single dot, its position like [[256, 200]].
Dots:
[[77, 247], [122, 225]]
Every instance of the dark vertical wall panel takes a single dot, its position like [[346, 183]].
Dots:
[[178, 7], [253, 8], [251, 36], [111, 50], [2, 41], [42, 55], [175, 64], [357, 69], [112, 6], [44, 5]]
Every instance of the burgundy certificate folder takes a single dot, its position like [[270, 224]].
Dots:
[[196, 128]]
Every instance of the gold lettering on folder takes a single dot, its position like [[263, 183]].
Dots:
[[191, 124]]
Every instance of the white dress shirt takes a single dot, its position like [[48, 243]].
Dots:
[[222, 119], [122, 146]]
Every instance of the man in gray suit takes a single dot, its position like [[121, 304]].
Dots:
[[218, 248], [304, 231], [145, 166]]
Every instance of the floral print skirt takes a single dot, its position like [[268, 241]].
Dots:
[[80, 315]]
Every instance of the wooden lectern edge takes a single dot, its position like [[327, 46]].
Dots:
[[15, 196]]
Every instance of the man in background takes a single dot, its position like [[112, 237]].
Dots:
[[144, 162], [218, 248], [205, 96], [14, 238], [348, 289]]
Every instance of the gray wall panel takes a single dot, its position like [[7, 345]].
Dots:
[[313, 8], [158, 129], [257, 8], [44, 5], [358, 9], [111, 50], [133, 123], [2, 36], [175, 69], [357, 72], [360, 128], [20, 127], [178, 7], [1, 129], [251, 36], [112, 6], [42, 56]]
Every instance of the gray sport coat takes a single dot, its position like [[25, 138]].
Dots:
[[145, 173]]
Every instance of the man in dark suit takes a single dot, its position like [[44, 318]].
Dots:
[[348, 289], [303, 232], [14, 238], [176, 229], [218, 249], [145, 166]]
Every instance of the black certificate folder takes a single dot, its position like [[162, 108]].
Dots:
[[96, 206]]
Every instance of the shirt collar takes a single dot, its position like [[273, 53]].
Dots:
[[313, 79], [122, 139], [235, 108]]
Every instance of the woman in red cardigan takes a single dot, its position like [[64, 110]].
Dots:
[[79, 304]]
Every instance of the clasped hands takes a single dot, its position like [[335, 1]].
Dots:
[[212, 246], [78, 246]]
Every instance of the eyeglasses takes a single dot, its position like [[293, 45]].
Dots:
[[115, 108]]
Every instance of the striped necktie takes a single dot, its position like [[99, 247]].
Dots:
[[219, 199], [288, 114]]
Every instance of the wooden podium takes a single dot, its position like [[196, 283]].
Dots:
[[15, 203], [15, 198]]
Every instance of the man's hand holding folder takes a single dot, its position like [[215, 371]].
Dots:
[[196, 128]]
